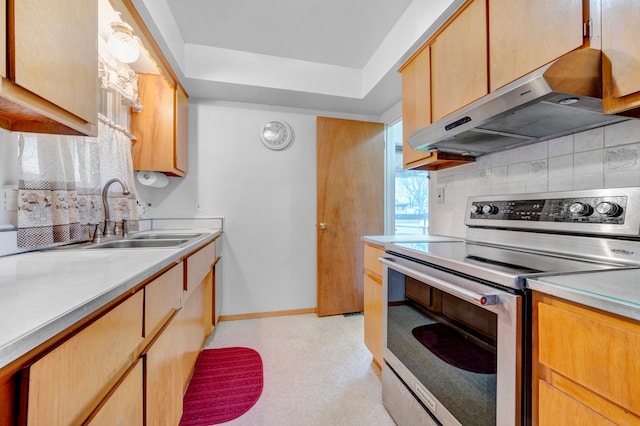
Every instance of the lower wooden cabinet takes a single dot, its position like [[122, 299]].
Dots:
[[129, 366], [163, 381], [65, 385], [585, 368], [125, 406], [373, 307]]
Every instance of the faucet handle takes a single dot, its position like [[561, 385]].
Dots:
[[125, 226], [97, 233]]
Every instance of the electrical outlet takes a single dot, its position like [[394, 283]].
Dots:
[[10, 199], [440, 195]]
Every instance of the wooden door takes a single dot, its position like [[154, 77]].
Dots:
[[350, 191]]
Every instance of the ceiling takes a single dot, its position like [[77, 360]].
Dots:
[[330, 55], [336, 32]]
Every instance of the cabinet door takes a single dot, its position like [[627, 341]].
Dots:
[[416, 104], [525, 35], [558, 408], [192, 332], [126, 405], [164, 377], [373, 315], [621, 56], [459, 61], [182, 132], [3, 38], [162, 297], [67, 383], [55, 53], [154, 128], [593, 350]]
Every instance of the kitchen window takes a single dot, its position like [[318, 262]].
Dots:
[[407, 195]]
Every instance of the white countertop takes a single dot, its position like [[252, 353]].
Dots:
[[43, 293], [617, 292]]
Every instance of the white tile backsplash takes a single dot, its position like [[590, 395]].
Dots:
[[561, 146], [622, 133], [589, 140], [606, 157]]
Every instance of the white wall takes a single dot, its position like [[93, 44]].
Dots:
[[8, 173], [608, 157], [267, 199]]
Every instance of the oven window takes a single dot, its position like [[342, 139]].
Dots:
[[448, 344]]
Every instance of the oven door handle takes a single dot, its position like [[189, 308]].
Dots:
[[479, 299]]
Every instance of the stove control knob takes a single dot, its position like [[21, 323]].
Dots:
[[609, 209], [489, 209], [581, 209], [476, 209]]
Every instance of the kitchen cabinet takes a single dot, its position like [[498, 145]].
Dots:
[[163, 361], [49, 57], [525, 35], [65, 385], [459, 61], [163, 355], [161, 128], [584, 365], [373, 308], [416, 114], [196, 316], [620, 57], [126, 405]]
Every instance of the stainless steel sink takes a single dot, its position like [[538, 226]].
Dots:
[[139, 243], [164, 236]]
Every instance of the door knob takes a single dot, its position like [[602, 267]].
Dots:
[[323, 225]]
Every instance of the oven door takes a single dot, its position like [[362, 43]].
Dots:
[[454, 342]]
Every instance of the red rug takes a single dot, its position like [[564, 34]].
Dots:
[[226, 383]]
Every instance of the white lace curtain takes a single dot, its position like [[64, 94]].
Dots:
[[60, 178], [60, 181]]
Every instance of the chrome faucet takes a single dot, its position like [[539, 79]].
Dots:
[[107, 230]]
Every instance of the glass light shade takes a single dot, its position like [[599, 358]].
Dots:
[[122, 45]]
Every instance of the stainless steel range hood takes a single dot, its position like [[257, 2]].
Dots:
[[560, 98]]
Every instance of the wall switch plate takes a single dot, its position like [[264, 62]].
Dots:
[[440, 196]]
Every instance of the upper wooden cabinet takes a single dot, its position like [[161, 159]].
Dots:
[[49, 66], [620, 57], [160, 129], [418, 93], [525, 35], [416, 104], [459, 61]]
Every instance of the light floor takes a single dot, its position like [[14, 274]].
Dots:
[[317, 371]]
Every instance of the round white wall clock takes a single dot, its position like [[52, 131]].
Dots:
[[276, 135]]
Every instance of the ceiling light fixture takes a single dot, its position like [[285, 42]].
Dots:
[[122, 44]]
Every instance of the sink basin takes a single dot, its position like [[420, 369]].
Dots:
[[139, 243], [164, 236]]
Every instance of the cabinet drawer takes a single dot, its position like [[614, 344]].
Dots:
[[558, 408], [371, 255], [162, 298], [199, 265], [66, 384], [595, 350], [125, 406]]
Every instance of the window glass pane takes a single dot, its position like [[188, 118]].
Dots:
[[411, 210]]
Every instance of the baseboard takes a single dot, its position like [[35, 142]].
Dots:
[[267, 314]]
